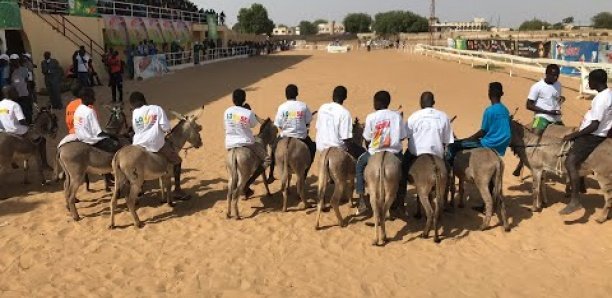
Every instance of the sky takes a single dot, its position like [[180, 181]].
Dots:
[[510, 13]]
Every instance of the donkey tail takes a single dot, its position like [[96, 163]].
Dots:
[[324, 174]]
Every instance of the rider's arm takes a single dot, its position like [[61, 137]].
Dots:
[[587, 130], [532, 107], [477, 136], [19, 115], [163, 121]]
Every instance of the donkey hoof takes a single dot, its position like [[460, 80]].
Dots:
[[76, 218], [238, 218], [111, 227], [317, 228], [172, 204], [228, 216], [437, 240], [601, 219], [484, 227], [139, 225], [424, 236], [507, 229]]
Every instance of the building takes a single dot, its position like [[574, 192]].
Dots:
[[326, 28], [478, 24], [281, 30]]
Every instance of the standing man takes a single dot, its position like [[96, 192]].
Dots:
[[19, 81], [115, 66], [151, 125], [595, 128], [29, 64], [495, 130], [384, 131], [4, 70], [81, 66], [53, 78], [335, 125], [238, 122], [292, 119]]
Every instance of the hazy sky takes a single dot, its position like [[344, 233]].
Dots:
[[510, 12]]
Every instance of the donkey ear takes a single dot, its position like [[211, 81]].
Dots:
[[177, 115], [199, 113]]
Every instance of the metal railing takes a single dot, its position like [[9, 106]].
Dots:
[[109, 7]]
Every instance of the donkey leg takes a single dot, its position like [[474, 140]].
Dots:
[[461, 192], [131, 203], [378, 216], [488, 201], [501, 212], [537, 191], [26, 167], [113, 204], [301, 189], [230, 195], [606, 187], [242, 181], [73, 190], [286, 182], [426, 203], [339, 191], [167, 179]]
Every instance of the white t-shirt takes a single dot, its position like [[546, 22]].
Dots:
[[292, 118], [428, 131], [86, 126], [150, 125], [601, 110], [334, 124], [238, 122], [546, 97], [82, 63], [384, 129], [10, 114]]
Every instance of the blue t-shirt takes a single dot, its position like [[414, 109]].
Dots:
[[496, 125]]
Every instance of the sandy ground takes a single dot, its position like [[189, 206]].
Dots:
[[193, 250]]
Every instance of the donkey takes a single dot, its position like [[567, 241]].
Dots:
[[338, 166], [29, 146], [486, 169], [133, 165], [428, 172], [382, 176], [242, 163], [293, 156], [542, 154]]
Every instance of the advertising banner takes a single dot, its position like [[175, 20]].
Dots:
[[502, 47], [115, 32], [581, 51], [136, 29], [183, 31], [150, 66], [154, 30], [533, 49], [211, 20], [84, 8], [168, 30], [460, 44], [451, 43], [10, 16], [605, 53]]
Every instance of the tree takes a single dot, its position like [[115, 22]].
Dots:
[[254, 20], [568, 20], [558, 26], [602, 20], [534, 24], [357, 22], [396, 21], [307, 28]]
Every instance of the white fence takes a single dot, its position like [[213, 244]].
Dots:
[[512, 62]]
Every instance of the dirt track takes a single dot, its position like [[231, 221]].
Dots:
[[194, 251]]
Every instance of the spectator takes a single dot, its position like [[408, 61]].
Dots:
[[26, 60], [116, 76], [4, 70], [53, 78], [130, 52], [19, 81], [81, 66]]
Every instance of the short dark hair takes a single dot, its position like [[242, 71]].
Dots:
[[137, 98], [496, 89], [291, 92], [239, 97], [427, 99], [552, 67], [339, 94], [87, 95], [598, 76], [382, 99]]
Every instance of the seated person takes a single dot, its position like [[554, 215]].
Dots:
[[87, 128]]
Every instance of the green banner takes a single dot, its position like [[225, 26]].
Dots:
[[211, 20], [84, 8], [10, 16]]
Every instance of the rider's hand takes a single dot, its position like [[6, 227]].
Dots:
[[568, 137]]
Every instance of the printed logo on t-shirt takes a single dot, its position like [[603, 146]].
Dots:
[[4, 111], [78, 121], [381, 137], [292, 115], [146, 120], [237, 119]]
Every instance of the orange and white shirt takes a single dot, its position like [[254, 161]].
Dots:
[[385, 130], [86, 125]]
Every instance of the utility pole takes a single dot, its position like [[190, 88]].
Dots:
[[432, 20]]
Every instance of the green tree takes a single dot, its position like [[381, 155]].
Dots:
[[568, 20], [602, 20], [534, 24], [254, 20], [397, 21], [357, 22], [307, 28]]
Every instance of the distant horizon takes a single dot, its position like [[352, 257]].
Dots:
[[290, 13]]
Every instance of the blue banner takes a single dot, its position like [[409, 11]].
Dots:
[[581, 51]]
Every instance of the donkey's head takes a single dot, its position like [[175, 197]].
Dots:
[[357, 132], [117, 120], [45, 122], [267, 132], [188, 128]]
